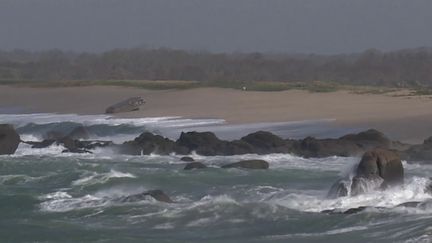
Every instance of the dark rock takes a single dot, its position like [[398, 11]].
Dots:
[[378, 168], [348, 211], [187, 159], [420, 152], [45, 143], [158, 195], [262, 142], [204, 143], [369, 139], [131, 104], [9, 139], [195, 165], [312, 147], [249, 164], [148, 143]]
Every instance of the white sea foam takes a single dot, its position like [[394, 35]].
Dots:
[[99, 178], [413, 190], [20, 120]]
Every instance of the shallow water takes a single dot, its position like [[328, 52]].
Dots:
[[49, 196]]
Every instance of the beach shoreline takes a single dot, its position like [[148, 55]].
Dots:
[[408, 119]]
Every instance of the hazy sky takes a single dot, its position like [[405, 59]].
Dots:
[[294, 26]]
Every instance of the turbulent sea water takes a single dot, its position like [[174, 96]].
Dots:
[[49, 196]]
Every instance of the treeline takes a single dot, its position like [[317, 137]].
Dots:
[[405, 68]]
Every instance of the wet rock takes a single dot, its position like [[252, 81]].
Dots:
[[43, 144], [187, 159], [9, 139], [131, 104], [204, 143], [379, 168], [249, 164], [148, 143], [263, 142], [195, 165], [158, 195], [318, 148], [369, 139]]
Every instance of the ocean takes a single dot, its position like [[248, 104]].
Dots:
[[50, 196]]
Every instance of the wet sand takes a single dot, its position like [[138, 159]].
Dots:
[[405, 118]]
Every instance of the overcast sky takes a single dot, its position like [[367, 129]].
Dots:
[[293, 26]]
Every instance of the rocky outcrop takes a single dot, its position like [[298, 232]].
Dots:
[[195, 165], [204, 143], [208, 144], [420, 152], [158, 195], [249, 164], [378, 169], [148, 143], [381, 167], [9, 139]]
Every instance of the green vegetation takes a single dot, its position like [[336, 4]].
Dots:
[[370, 72]]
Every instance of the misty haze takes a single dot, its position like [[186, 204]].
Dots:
[[215, 120]]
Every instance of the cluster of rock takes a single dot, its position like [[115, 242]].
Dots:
[[208, 144]]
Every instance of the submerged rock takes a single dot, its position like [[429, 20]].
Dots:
[[9, 139], [195, 165], [249, 164], [158, 195]]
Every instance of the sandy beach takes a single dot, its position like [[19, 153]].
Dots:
[[405, 118]]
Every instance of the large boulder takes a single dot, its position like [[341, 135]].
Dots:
[[9, 139], [312, 147], [131, 104], [148, 143], [204, 143], [249, 164], [369, 139], [378, 169], [265, 142]]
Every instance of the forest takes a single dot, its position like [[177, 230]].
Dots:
[[403, 68]]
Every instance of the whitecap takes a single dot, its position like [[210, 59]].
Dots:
[[100, 178]]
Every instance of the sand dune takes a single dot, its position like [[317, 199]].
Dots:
[[404, 118]]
